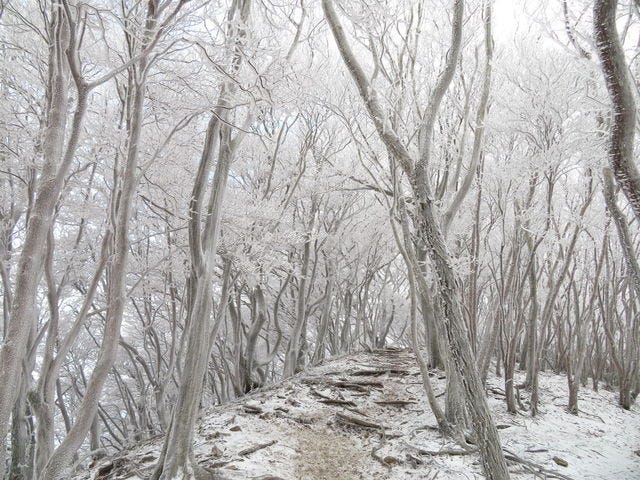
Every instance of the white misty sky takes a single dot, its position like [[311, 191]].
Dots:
[[535, 19], [507, 15]]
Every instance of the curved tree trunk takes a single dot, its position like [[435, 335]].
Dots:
[[176, 462], [116, 286], [56, 165], [620, 87], [451, 323]]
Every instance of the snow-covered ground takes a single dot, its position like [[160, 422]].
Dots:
[[303, 428]]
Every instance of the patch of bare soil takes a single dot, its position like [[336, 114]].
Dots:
[[322, 455]]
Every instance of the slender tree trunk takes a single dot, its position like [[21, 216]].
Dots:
[[532, 338], [509, 370], [259, 319], [427, 310], [116, 269], [176, 461], [56, 165], [451, 322], [177, 464], [325, 318], [292, 357], [441, 419], [413, 272]]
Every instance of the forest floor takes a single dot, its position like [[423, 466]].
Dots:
[[365, 416]]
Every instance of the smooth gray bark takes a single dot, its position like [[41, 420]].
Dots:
[[176, 462], [117, 268]]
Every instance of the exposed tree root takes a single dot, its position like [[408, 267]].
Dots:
[[534, 468], [530, 467], [255, 448], [360, 422]]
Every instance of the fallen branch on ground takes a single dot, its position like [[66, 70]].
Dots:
[[332, 401], [360, 422], [252, 409], [534, 468], [531, 467], [395, 403], [356, 410], [359, 385], [378, 372], [444, 451], [496, 391], [255, 448]]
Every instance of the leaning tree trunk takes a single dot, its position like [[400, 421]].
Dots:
[[176, 460], [414, 275], [453, 327], [624, 236], [633, 269], [451, 323], [117, 269], [56, 165], [620, 86]]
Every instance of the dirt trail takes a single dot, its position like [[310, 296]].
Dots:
[[322, 455], [365, 416]]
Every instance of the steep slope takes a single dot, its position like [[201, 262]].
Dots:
[[364, 416]]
